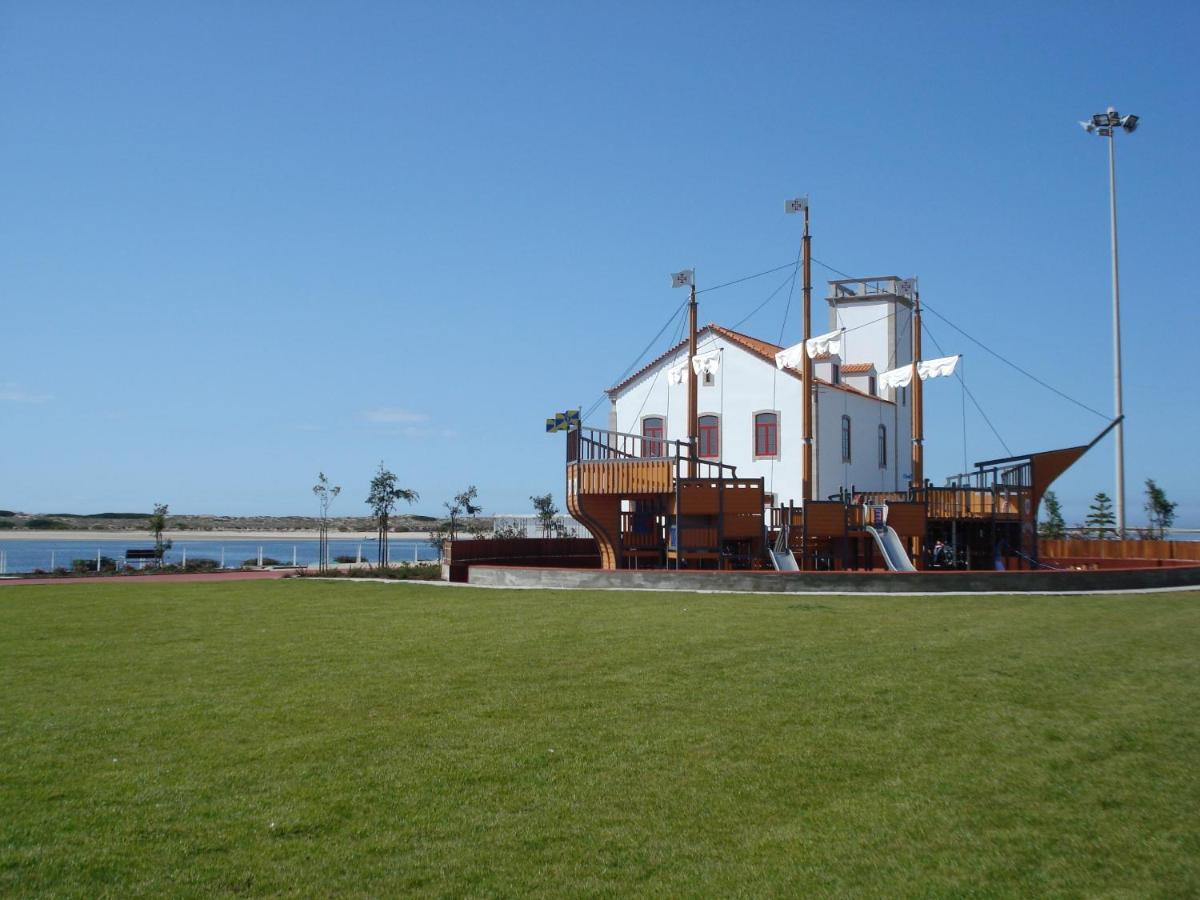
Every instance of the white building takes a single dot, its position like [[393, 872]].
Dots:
[[750, 412]]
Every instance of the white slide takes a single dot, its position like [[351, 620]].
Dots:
[[892, 549], [783, 561]]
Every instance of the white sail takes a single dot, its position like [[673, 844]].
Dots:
[[830, 343], [708, 364], [897, 378], [677, 374], [791, 358], [936, 368]]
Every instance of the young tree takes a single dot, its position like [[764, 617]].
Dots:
[[158, 524], [1054, 527], [382, 499], [1159, 509], [325, 497], [479, 529], [437, 539], [461, 505], [546, 512], [1100, 520]]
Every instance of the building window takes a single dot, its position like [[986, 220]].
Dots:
[[883, 446], [653, 431], [845, 439], [768, 499], [835, 376], [708, 379], [871, 385], [710, 437], [766, 435]]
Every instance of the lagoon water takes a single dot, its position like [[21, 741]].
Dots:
[[26, 556]]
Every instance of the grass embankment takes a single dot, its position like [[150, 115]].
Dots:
[[313, 738]]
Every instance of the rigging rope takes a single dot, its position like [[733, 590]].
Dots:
[[963, 382], [591, 409], [1002, 359], [1015, 366], [650, 389], [717, 287]]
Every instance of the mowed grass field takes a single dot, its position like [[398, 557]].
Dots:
[[317, 738]]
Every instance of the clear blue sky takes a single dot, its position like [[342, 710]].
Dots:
[[242, 243]]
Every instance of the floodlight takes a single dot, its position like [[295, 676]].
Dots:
[[1105, 124]]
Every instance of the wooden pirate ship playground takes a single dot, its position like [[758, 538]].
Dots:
[[666, 506], [651, 504]]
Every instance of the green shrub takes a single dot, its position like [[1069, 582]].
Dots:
[[84, 566], [7, 523], [7, 512], [267, 561], [41, 523], [405, 572]]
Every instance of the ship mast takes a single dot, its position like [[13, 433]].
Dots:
[[806, 379], [918, 412], [693, 421]]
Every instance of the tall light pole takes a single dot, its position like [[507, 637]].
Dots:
[[1105, 124]]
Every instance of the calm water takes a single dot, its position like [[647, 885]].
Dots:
[[25, 556]]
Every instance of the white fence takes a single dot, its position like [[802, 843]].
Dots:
[[531, 526]]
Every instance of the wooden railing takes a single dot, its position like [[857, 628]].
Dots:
[[1094, 549], [613, 462], [1000, 501]]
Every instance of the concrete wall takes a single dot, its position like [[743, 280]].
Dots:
[[458, 556], [1040, 582]]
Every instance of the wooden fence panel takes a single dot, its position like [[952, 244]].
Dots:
[[1075, 548]]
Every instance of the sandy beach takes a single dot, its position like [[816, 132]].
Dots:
[[177, 536]]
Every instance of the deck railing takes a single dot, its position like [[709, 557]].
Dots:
[[601, 445]]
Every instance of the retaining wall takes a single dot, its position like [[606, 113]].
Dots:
[[1037, 582]]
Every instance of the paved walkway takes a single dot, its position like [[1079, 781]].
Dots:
[[253, 575]]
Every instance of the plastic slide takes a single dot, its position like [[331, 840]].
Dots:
[[892, 548], [783, 561]]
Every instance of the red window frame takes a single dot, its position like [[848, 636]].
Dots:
[[652, 436], [709, 437], [766, 434]]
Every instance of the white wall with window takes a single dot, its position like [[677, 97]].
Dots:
[[751, 406]]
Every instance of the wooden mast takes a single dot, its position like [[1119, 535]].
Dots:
[[807, 368], [918, 411], [693, 421]]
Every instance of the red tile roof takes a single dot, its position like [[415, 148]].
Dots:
[[858, 368], [764, 350]]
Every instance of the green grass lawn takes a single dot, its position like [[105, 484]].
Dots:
[[317, 738]]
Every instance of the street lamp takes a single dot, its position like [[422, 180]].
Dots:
[[1105, 124]]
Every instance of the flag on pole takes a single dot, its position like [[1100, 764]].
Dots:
[[563, 421], [796, 205], [906, 287], [686, 278]]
